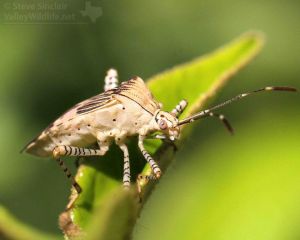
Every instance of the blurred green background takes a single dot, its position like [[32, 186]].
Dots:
[[219, 187]]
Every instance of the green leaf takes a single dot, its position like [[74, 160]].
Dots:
[[197, 81], [11, 228], [115, 221], [232, 188]]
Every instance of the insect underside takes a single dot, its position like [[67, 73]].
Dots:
[[114, 115]]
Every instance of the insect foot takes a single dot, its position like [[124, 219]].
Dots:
[[157, 175], [58, 151], [142, 181]]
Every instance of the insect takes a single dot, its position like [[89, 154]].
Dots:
[[119, 112]]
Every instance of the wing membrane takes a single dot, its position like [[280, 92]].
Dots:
[[134, 89], [95, 103]]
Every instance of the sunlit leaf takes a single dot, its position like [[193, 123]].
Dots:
[[231, 188]]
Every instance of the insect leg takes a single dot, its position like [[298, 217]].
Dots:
[[156, 170], [179, 108], [111, 79], [74, 151], [158, 136], [141, 181], [64, 150], [69, 175], [126, 169], [164, 138], [78, 161]]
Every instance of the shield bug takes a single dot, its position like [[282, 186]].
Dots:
[[119, 112]]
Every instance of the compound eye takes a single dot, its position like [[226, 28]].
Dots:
[[163, 124]]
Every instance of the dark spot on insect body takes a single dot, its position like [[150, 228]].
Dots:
[[69, 134], [135, 123], [119, 139], [89, 125], [114, 119], [123, 108], [78, 129]]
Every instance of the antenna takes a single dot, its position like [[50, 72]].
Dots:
[[208, 112]]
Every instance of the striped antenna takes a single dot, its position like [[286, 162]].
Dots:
[[111, 79], [207, 112]]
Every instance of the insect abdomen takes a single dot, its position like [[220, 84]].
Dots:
[[42, 146]]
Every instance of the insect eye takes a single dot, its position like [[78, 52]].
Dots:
[[163, 124]]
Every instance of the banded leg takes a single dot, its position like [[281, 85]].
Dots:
[[69, 175], [142, 180], [78, 161], [74, 151], [126, 168], [64, 150], [177, 111], [111, 80], [156, 170]]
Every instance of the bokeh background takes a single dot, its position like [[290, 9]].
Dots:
[[219, 187]]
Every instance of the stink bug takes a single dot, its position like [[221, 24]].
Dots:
[[117, 113]]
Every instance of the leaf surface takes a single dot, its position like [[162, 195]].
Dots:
[[11, 228]]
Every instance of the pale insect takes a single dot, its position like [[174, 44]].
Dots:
[[117, 113]]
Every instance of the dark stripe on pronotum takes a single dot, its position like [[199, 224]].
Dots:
[[136, 102]]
